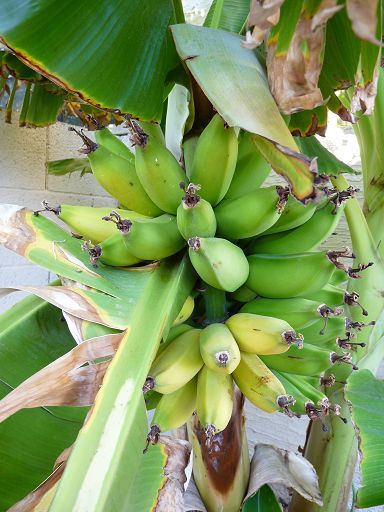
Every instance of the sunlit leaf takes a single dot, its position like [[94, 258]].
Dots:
[[67, 166], [227, 14]]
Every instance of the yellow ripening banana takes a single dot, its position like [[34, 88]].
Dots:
[[219, 349], [262, 335], [195, 216], [185, 312], [177, 364], [295, 214], [214, 160], [106, 138], [150, 239], [88, 222], [214, 402], [218, 262], [283, 276], [111, 251], [306, 237], [258, 383], [251, 214], [173, 410], [117, 175], [251, 169], [159, 172]]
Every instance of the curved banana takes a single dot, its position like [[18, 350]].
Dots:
[[106, 138], [159, 172], [173, 410], [297, 311], [306, 237], [323, 332], [242, 294], [117, 175], [294, 214], [251, 214], [111, 251], [88, 222], [256, 381], [214, 401], [174, 332], [195, 216], [251, 168], [218, 262], [214, 160], [219, 349], [262, 334], [309, 360], [329, 294], [150, 239], [176, 365], [309, 386], [185, 312], [284, 276]]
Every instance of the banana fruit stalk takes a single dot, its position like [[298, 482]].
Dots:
[[218, 262], [177, 364], [214, 401], [159, 172], [195, 216], [219, 349], [256, 381], [263, 335], [251, 214], [214, 160], [173, 410]]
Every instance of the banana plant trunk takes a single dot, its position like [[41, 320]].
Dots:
[[221, 467]]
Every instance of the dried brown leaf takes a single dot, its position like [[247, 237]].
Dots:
[[283, 470], [65, 381], [293, 77], [363, 99], [262, 16], [363, 15]]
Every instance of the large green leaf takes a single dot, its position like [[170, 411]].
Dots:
[[366, 395], [105, 461], [263, 501], [229, 15], [112, 54], [32, 336]]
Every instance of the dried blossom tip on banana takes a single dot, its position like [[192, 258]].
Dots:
[[285, 402], [352, 299], [343, 358]]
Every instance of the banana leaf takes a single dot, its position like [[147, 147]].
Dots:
[[105, 44], [263, 501], [32, 335], [67, 166], [229, 15], [366, 395]]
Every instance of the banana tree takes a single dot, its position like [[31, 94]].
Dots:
[[242, 95]]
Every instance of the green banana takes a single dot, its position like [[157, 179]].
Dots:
[[309, 360], [185, 312], [324, 332], [306, 237], [174, 332], [117, 175], [329, 294], [251, 214], [159, 172], [256, 381], [262, 334], [218, 262], [214, 402], [189, 148], [111, 251], [294, 214], [242, 294], [87, 221], [309, 386], [195, 216], [214, 160], [251, 169], [150, 239], [298, 312], [294, 401], [284, 276], [176, 364], [219, 349], [338, 278], [173, 410], [106, 138]]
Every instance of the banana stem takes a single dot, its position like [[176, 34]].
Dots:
[[215, 305]]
